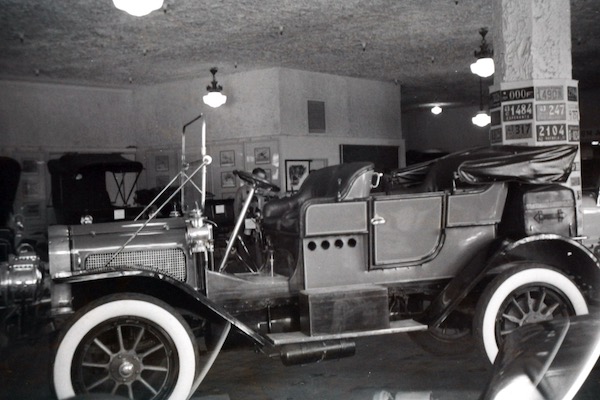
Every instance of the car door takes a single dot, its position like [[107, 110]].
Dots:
[[407, 229]]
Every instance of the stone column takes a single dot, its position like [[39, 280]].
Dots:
[[534, 100]]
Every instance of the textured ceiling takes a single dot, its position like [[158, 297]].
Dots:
[[425, 46]]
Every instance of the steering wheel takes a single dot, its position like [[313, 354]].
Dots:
[[256, 181]]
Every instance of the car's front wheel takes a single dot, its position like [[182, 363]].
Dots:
[[134, 346], [522, 295]]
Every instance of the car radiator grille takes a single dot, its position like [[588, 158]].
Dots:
[[170, 262]]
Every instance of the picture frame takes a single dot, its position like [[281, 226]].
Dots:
[[227, 158], [296, 172], [262, 155], [227, 179]]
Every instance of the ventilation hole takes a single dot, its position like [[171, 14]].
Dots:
[[339, 243], [352, 242], [312, 246], [325, 244]]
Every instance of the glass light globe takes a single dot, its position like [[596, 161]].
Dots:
[[481, 119], [214, 99], [483, 67], [138, 8], [436, 110]]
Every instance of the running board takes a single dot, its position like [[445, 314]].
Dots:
[[407, 325]]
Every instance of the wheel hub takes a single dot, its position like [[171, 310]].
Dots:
[[534, 317], [125, 367]]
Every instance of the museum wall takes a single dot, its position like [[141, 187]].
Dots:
[[40, 121], [252, 108], [355, 112], [355, 108]]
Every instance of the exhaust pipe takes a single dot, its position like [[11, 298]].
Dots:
[[305, 353]]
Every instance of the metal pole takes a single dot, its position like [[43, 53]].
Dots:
[[236, 229]]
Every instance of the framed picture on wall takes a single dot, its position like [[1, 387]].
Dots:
[[262, 155], [296, 172], [227, 158], [227, 179]]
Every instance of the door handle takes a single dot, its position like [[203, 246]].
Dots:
[[377, 220]]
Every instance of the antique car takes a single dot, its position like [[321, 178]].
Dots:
[[79, 187], [473, 244]]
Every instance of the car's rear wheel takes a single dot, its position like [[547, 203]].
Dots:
[[522, 295], [134, 346]]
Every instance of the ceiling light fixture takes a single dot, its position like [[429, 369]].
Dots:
[[214, 98], [138, 8], [482, 118], [436, 110], [484, 66]]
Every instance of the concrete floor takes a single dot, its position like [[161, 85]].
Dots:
[[383, 364]]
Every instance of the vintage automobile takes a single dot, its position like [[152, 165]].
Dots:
[[472, 244], [79, 186]]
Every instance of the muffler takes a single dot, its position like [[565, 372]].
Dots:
[[306, 353]]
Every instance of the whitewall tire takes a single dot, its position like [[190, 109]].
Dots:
[[133, 345], [526, 294]]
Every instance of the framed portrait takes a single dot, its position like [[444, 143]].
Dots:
[[227, 179], [262, 155], [161, 163], [296, 172], [227, 158]]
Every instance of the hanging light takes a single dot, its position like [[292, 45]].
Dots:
[[436, 110], [482, 118], [138, 8], [484, 66], [214, 98]]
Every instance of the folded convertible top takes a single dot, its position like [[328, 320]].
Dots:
[[501, 163], [520, 163]]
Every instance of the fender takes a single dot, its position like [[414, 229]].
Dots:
[[174, 292], [560, 252]]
